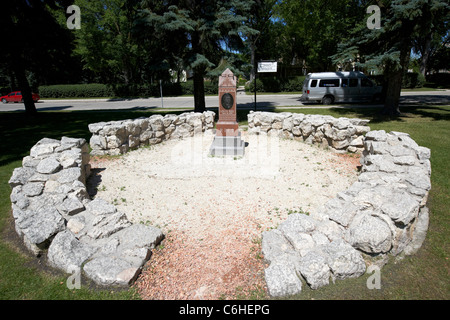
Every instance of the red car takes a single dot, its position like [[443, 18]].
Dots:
[[16, 96]]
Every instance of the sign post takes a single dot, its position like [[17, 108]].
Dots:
[[263, 67], [267, 66]]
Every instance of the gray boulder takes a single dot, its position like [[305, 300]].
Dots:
[[48, 166], [282, 280], [401, 207], [315, 270], [70, 175], [99, 207], [20, 176], [139, 236], [111, 270], [344, 260], [44, 147], [274, 245], [40, 225], [370, 234], [32, 189], [66, 251], [420, 232], [104, 225], [298, 222]]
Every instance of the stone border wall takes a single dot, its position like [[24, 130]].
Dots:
[[340, 135], [54, 214], [117, 137], [381, 215]]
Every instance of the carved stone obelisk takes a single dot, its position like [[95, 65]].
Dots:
[[228, 138]]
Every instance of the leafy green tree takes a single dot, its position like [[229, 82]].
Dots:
[[314, 28], [106, 43], [195, 31]]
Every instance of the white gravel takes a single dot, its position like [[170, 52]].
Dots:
[[176, 185]]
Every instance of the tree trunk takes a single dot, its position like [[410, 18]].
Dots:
[[426, 51], [394, 87], [24, 86], [252, 61], [199, 91], [394, 83]]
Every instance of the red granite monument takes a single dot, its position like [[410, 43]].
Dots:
[[228, 138]]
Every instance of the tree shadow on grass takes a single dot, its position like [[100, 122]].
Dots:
[[410, 111], [20, 132]]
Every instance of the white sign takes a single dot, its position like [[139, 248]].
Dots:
[[267, 66]]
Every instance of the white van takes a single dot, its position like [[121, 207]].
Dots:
[[330, 87]]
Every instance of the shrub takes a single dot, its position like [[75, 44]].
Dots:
[[250, 86], [211, 87], [439, 80], [413, 80], [293, 85], [272, 84], [75, 91]]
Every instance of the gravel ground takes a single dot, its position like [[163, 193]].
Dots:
[[213, 210]]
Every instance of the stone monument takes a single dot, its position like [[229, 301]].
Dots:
[[228, 138]]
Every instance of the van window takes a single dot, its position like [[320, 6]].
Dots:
[[329, 83], [313, 83], [366, 83], [353, 83], [344, 83]]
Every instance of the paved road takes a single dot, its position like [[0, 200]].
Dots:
[[244, 101]]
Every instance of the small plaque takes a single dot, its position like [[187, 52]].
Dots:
[[227, 101]]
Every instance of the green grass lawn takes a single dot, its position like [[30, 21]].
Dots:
[[423, 276]]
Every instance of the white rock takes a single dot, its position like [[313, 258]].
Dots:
[[282, 280], [66, 251], [48, 165], [315, 270], [370, 234], [344, 260]]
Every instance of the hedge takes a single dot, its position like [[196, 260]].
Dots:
[[76, 91], [101, 90], [273, 84], [439, 80], [413, 80]]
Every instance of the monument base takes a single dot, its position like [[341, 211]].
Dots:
[[227, 146]]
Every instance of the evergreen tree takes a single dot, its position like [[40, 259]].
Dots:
[[194, 31], [389, 48]]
